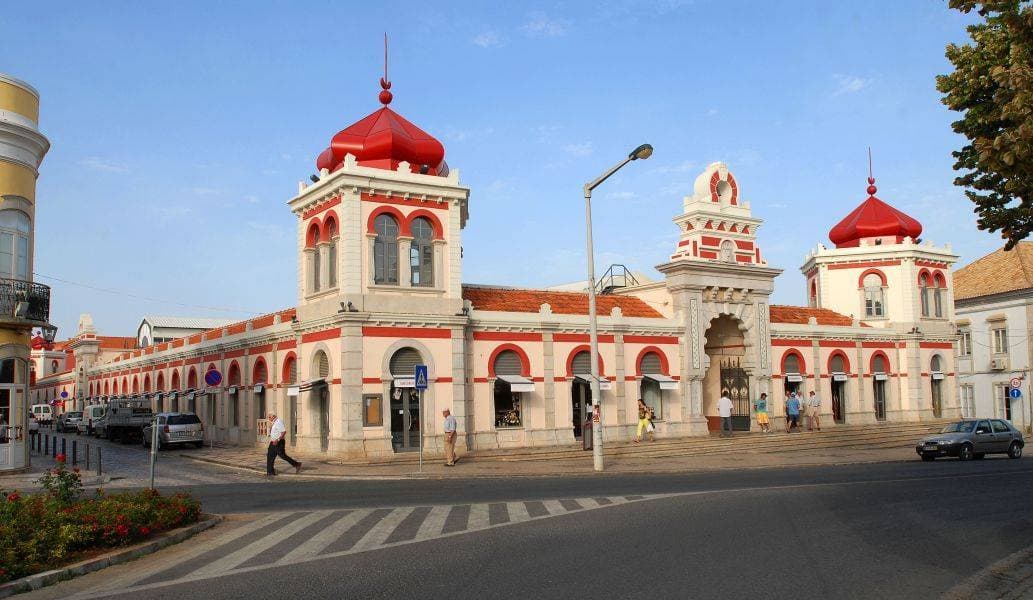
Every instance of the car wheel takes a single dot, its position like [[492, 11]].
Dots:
[[928, 457], [1015, 450], [965, 452], [979, 455]]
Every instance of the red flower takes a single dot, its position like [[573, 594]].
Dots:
[[122, 530], [13, 497], [75, 469], [60, 458], [145, 531]]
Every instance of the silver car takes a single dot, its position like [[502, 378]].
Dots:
[[68, 421], [973, 438], [175, 428]]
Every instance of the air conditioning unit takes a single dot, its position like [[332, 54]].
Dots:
[[998, 364]]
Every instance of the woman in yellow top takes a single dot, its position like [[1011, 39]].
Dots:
[[644, 422]]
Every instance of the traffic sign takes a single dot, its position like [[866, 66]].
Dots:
[[213, 378], [64, 394], [1015, 393], [420, 375], [1016, 382]]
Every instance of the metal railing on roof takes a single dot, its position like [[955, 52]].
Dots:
[[35, 295], [617, 276]]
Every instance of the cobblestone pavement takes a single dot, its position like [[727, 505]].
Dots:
[[124, 465]]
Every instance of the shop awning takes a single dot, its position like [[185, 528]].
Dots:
[[666, 383], [259, 387], [518, 383], [604, 383]]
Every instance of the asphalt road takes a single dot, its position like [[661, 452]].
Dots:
[[896, 530]]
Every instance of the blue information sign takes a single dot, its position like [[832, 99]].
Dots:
[[420, 375], [1015, 393]]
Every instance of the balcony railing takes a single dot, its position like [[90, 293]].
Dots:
[[36, 295]]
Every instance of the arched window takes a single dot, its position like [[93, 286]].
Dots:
[[582, 363], [316, 261], [791, 364], [837, 365], [727, 251], [649, 389], [385, 250], [935, 364], [321, 365], [923, 291], [261, 374], [874, 304], [160, 382], [421, 253], [53, 367], [878, 364], [331, 255], [15, 228], [146, 384], [291, 370], [175, 380], [233, 377], [813, 302], [939, 283], [192, 379], [404, 361], [508, 404]]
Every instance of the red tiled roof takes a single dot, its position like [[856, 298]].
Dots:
[[108, 342], [800, 314], [563, 303], [996, 273]]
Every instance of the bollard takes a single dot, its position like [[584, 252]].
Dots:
[[46, 445], [53, 448], [64, 446], [87, 456], [75, 453], [99, 470]]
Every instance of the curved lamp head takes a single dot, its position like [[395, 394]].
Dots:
[[644, 151]]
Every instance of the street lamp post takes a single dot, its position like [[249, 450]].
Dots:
[[642, 152]]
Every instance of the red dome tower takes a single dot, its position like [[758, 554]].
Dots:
[[876, 222]]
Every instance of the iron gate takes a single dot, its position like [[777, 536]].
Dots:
[[736, 383]]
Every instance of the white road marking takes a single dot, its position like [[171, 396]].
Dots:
[[479, 517], [517, 512], [259, 546], [324, 538], [433, 523], [382, 530]]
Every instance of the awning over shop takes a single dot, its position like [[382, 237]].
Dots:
[[518, 383], [666, 383], [604, 384], [259, 387]]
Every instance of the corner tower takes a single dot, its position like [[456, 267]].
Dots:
[[720, 285]]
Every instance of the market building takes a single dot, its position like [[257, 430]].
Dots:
[[994, 303], [24, 305], [380, 289]]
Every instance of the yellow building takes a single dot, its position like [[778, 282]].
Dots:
[[24, 305]]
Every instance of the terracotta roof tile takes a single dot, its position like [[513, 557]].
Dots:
[[996, 273], [116, 343], [800, 315], [562, 303]]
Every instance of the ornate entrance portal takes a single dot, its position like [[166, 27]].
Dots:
[[736, 383]]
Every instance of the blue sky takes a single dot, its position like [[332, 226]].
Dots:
[[180, 130]]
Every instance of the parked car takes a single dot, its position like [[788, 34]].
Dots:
[[68, 421], [972, 438], [91, 415], [176, 428], [43, 413]]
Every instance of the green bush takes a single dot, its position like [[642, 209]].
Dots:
[[43, 531]]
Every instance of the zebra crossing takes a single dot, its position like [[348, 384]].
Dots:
[[287, 538]]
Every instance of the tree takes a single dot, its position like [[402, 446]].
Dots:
[[992, 85]]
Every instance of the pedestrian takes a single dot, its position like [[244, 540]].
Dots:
[[724, 408], [33, 428], [792, 412], [813, 412], [645, 422], [450, 438], [760, 407], [277, 446]]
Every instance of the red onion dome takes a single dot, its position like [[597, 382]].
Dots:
[[874, 219]]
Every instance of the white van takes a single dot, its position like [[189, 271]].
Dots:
[[90, 416], [43, 413]]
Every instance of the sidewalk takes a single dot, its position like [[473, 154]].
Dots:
[[26, 482], [748, 451]]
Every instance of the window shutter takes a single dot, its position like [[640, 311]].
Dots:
[[322, 365], [791, 364], [651, 363], [508, 363], [404, 362], [582, 364], [837, 364], [879, 365]]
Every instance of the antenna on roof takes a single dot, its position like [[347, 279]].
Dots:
[[385, 84]]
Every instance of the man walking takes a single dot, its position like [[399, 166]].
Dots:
[[813, 410], [760, 407], [792, 412], [724, 408], [450, 438], [277, 446]]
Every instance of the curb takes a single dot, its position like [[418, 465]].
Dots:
[[1010, 577], [40, 580], [501, 475]]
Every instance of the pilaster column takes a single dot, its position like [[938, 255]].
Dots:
[[310, 259], [324, 265], [462, 401], [404, 262], [619, 386], [440, 248], [350, 423], [549, 375]]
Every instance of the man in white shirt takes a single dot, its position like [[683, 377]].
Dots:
[[813, 410], [277, 446], [724, 408], [450, 438]]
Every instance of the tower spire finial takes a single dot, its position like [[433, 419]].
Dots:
[[871, 178], [385, 83]]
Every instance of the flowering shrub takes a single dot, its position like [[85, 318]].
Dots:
[[42, 531], [60, 483]]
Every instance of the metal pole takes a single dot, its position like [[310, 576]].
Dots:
[[99, 462], [154, 447], [87, 457], [64, 446], [75, 453], [593, 340], [420, 392]]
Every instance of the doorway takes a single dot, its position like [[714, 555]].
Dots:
[[880, 399], [323, 393], [292, 401], [405, 419], [838, 391], [736, 384], [581, 400]]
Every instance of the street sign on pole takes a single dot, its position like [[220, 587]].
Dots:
[[420, 381], [1015, 393]]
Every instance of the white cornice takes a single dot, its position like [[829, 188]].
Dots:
[[22, 145]]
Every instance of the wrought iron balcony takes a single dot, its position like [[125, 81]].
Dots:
[[36, 297]]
